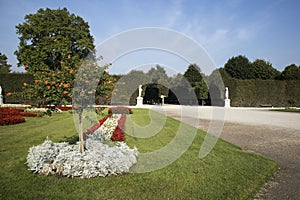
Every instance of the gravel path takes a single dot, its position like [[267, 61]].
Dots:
[[270, 133]]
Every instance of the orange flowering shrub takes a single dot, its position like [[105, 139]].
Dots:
[[56, 85]]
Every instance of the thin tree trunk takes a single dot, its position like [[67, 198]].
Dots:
[[81, 145]]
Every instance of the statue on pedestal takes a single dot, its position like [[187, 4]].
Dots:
[[226, 100], [139, 99], [1, 97], [140, 90], [226, 93]]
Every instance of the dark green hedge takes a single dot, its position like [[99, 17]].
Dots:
[[12, 83], [263, 92]]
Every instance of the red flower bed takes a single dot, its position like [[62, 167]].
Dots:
[[118, 135], [11, 120], [119, 110], [28, 114], [96, 126], [10, 116], [6, 112], [64, 108]]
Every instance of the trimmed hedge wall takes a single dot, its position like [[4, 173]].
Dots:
[[256, 93], [13, 82]]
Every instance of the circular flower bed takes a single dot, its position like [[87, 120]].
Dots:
[[64, 159], [99, 158]]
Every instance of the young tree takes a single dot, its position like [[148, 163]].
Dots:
[[4, 66], [194, 76], [90, 74], [53, 44]]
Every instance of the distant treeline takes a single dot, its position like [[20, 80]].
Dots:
[[250, 84]]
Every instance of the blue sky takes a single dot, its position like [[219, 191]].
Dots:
[[257, 29]]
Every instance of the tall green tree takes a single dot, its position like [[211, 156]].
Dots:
[[195, 77], [52, 46], [4, 66], [291, 72], [264, 70], [159, 79], [51, 37], [239, 67], [193, 74]]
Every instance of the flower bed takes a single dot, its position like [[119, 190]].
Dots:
[[11, 120], [14, 106], [47, 109], [29, 114], [110, 127], [64, 159], [64, 108], [36, 110], [99, 159], [16, 112], [96, 126], [119, 134], [119, 110], [9, 116]]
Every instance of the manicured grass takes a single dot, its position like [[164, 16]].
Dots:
[[288, 110], [226, 173]]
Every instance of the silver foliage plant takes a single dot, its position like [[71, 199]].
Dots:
[[64, 159]]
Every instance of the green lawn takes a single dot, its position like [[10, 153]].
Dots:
[[226, 173], [288, 110]]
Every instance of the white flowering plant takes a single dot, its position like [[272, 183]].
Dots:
[[106, 130], [99, 159], [43, 110]]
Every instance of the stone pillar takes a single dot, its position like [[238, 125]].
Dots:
[[162, 99], [139, 101]]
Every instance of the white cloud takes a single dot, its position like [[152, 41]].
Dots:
[[174, 14], [219, 35]]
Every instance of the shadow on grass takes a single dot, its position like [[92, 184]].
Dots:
[[71, 140]]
